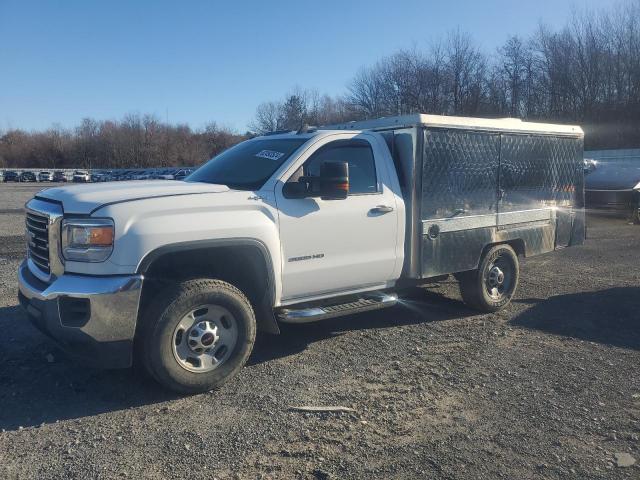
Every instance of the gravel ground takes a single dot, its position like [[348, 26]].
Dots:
[[548, 388]]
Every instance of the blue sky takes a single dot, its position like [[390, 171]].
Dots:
[[206, 60]]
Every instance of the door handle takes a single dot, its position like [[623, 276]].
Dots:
[[380, 209], [459, 211]]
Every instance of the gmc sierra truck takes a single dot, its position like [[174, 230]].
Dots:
[[295, 227]]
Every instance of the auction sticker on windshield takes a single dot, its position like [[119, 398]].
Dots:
[[270, 154]]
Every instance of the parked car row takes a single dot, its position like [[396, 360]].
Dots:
[[147, 174], [86, 176], [11, 176], [29, 176]]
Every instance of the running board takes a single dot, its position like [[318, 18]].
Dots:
[[312, 314]]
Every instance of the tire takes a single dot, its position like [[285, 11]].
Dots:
[[164, 339], [487, 289]]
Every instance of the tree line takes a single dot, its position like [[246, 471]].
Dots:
[[587, 72], [136, 141]]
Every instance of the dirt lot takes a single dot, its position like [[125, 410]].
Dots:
[[548, 388]]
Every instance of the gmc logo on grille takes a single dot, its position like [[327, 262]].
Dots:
[[31, 238]]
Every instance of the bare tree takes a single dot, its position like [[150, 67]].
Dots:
[[366, 92], [267, 116], [515, 66], [465, 71]]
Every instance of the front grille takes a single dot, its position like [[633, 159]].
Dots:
[[38, 240]]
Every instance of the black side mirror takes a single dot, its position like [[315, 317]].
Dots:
[[334, 180], [295, 190]]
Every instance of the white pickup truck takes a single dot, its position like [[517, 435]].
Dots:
[[295, 227]]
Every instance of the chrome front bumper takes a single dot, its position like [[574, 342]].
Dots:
[[90, 317]]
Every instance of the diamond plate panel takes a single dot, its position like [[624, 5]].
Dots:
[[465, 173], [538, 171], [460, 173]]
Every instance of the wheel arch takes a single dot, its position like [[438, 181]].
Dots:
[[243, 262], [518, 245]]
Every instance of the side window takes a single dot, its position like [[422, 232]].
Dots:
[[357, 153]]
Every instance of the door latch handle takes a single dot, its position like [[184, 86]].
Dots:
[[458, 211], [381, 209]]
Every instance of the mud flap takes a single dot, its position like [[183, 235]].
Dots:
[[578, 228]]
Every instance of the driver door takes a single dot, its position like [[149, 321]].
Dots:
[[338, 246]]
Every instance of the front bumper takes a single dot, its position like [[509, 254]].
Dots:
[[93, 318], [609, 199]]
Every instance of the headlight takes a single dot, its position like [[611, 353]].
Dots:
[[87, 240]]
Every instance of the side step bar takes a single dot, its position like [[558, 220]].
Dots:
[[312, 314]]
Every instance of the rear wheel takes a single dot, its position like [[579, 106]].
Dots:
[[492, 286], [197, 335]]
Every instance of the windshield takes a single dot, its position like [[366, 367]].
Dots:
[[248, 165]]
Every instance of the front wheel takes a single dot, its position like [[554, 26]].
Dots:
[[491, 287], [196, 335]]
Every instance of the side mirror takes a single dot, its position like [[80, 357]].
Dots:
[[334, 180], [295, 190]]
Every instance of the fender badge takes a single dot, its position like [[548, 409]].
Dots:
[[306, 257]]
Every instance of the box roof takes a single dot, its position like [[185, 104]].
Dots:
[[442, 121]]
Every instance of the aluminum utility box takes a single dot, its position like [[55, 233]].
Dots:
[[471, 182]]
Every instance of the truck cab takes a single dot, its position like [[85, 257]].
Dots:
[[295, 227]]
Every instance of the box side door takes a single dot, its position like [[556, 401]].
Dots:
[[459, 198]]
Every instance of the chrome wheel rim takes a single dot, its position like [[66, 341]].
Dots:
[[204, 338], [499, 278]]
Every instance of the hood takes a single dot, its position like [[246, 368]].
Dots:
[[85, 198], [613, 176]]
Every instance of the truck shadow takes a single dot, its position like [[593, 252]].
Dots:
[[608, 316], [39, 384], [418, 306]]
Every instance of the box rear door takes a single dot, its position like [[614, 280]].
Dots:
[[538, 181]]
